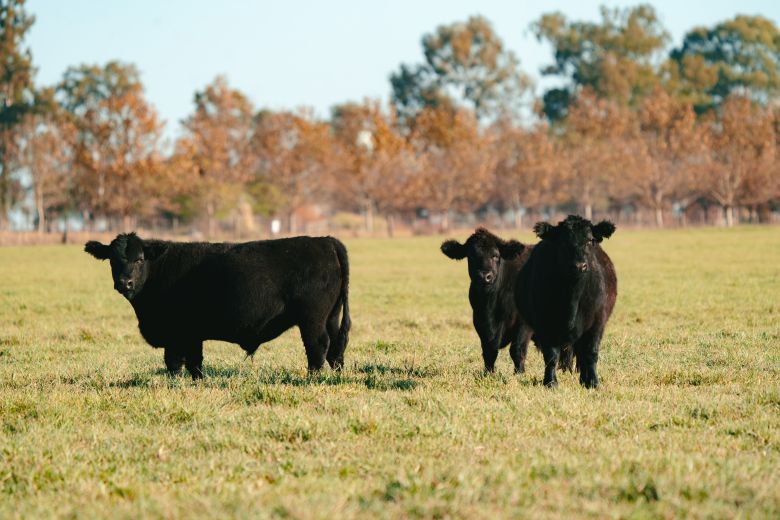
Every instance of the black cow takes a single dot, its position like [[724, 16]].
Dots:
[[250, 293], [566, 292], [493, 268]]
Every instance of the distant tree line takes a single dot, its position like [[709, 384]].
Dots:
[[631, 128]]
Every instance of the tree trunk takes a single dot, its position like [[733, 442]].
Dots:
[[445, 221], [659, 217], [518, 210], [4, 181], [41, 212], [588, 211], [729, 213], [390, 225], [292, 222], [210, 224], [369, 217]]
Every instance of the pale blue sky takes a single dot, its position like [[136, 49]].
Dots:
[[285, 54]]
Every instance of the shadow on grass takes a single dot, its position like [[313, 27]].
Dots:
[[373, 376], [384, 369]]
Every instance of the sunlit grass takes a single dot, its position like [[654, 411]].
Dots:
[[687, 422]]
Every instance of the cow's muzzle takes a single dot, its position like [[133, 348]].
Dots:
[[487, 277]]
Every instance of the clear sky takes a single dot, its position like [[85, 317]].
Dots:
[[291, 53]]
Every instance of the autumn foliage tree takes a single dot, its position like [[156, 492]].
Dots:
[[45, 151], [294, 154], [598, 149], [671, 143], [117, 140], [214, 152], [528, 172], [373, 158], [742, 151], [16, 91], [457, 162]]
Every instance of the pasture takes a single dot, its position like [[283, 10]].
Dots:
[[686, 423]]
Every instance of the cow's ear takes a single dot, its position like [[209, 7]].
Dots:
[[602, 230], [511, 249], [543, 230], [454, 249], [98, 250]]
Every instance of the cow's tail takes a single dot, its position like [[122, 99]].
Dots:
[[343, 335]]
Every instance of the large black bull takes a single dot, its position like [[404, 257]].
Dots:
[[248, 293]]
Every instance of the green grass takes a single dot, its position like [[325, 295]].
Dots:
[[686, 423]]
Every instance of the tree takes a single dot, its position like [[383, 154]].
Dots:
[[615, 58], [739, 56], [216, 142], [294, 154], [670, 141], [597, 152], [370, 164], [16, 89], [742, 149], [528, 169], [117, 140], [45, 152], [457, 162], [465, 63]]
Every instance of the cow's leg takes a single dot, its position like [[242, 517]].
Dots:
[[550, 362], [316, 341], [489, 355], [587, 351], [193, 360], [335, 354], [174, 359], [519, 349]]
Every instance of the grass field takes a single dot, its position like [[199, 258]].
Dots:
[[686, 423]]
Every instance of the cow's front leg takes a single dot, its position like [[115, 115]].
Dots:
[[489, 354], [193, 360], [587, 350], [174, 359]]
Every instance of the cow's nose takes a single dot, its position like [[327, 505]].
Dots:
[[581, 266], [488, 277], [129, 284]]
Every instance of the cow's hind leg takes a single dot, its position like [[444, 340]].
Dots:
[[335, 353], [316, 341], [550, 363], [587, 351], [193, 360], [519, 349], [174, 359]]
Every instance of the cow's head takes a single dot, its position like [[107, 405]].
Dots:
[[574, 240], [129, 257], [485, 252]]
